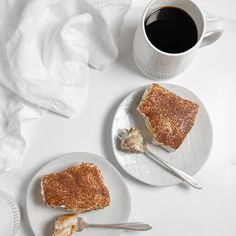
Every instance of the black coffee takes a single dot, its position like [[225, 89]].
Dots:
[[171, 30]]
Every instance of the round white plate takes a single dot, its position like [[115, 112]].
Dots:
[[190, 157], [41, 218], [10, 215]]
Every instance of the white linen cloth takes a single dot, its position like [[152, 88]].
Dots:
[[45, 51]]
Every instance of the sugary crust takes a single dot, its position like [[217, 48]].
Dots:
[[79, 188], [168, 117]]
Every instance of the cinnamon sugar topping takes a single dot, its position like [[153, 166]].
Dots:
[[79, 188], [169, 117]]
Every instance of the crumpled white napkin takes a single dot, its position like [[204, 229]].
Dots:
[[44, 56], [13, 111]]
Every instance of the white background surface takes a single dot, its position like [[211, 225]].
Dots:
[[176, 210]]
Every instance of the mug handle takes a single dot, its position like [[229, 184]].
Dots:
[[214, 29]]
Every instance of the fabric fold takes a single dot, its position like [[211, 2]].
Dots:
[[44, 58], [13, 112]]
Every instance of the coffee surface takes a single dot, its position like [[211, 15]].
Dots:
[[171, 30]]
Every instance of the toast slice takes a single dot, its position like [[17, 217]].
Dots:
[[80, 188], [168, 117]]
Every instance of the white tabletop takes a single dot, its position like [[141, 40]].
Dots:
[[177, 210]]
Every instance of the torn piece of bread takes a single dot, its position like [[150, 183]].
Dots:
[[168, 117], [65, 225], [132, 141], [80, 188]]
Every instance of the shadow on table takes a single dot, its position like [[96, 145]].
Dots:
[[125, 58]]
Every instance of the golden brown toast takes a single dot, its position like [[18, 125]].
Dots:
[[79, 188], [168, 117]]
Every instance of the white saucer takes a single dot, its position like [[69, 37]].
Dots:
[[41, 218], [190, 157], [10, 215]]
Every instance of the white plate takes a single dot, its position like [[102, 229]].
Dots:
[[10, 215], [190, 157], [41, 218]]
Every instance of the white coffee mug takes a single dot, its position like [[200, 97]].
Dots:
[[159, 65]]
